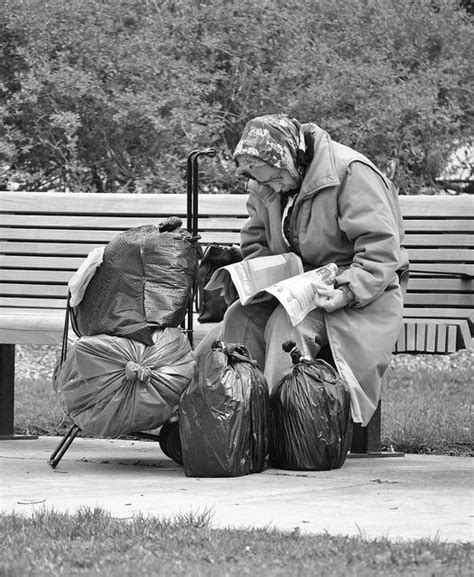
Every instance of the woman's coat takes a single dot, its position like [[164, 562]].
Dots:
[[347, 212]]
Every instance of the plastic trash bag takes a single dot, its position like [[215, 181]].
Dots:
[[113, 386], [223, 415], [311, 418], [145, 282]]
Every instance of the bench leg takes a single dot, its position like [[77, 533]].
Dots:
[[366, 440], [7, 384], [7, 394]]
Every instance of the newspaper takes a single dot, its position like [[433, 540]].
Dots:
[[282, 276]]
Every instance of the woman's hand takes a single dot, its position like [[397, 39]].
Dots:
[[331, 299], [334, 301]]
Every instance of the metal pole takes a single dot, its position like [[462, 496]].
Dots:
[[192, 221]]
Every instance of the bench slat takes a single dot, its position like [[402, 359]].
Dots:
[[420, 335], [464, 301], [95, 204], [32, 276], [93, 222], [32, 326], [32, 262], [430, 338], [441, 338], [83, 249], [62, 230], [409, 313], [43, 290], [54, 203], [436, 206], [73, 263], [401, 341], [72, 248], [439, 240], [410, 337], [451, 339], [413, 225], [419, 269], [15, 302], [118, 204], [452, 300], [446, 285], [46, 248], [437, 313], [438, 299], [440, 254], [205, 226], [61, 234]]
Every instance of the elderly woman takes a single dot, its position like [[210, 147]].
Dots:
[[327, 203]]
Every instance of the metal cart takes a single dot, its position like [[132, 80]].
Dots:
[[168, 436]]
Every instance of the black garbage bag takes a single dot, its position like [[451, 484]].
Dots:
[[113, 386], [311, 417], [145, 282], [223, 415]]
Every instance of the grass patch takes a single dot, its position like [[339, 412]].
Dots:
[[37, 408], [92, 542], [426, 406]]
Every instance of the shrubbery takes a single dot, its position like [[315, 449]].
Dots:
[[111, 95]]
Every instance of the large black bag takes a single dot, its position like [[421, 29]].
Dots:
[[210, 304], [145, 282], [311, 417], [223, 415]]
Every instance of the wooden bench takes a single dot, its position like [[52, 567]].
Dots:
[[44, 237]]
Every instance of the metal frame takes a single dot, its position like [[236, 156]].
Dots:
[[192, 224]]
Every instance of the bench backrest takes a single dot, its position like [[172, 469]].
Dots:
[[439, 305], [44, 237]]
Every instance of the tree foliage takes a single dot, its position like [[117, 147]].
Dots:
[[111, 95]]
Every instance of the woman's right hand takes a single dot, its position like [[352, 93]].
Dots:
[[334, 300]]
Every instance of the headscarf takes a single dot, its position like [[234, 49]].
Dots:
[[275, 139]]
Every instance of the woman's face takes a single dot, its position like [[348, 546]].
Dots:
[[277, 179]]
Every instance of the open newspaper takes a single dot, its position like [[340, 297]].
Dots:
[[282, 276]]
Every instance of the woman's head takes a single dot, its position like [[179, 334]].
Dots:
[[269, 150]]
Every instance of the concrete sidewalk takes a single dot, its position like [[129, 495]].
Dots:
[[416, 496]]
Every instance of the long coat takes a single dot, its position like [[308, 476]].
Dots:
[[347, 212]]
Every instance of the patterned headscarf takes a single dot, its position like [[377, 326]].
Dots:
[[275, 139]]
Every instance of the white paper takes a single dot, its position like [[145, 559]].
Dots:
[[283, 277]]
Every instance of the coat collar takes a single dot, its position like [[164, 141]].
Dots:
[[321, 173]]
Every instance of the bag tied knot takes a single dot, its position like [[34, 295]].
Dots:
[[135, 371]]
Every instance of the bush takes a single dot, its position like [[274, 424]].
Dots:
[[111, 95]]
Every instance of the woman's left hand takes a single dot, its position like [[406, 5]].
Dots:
[[334, 300]]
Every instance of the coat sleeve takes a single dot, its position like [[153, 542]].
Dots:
[[253, 236], [368, 215]]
